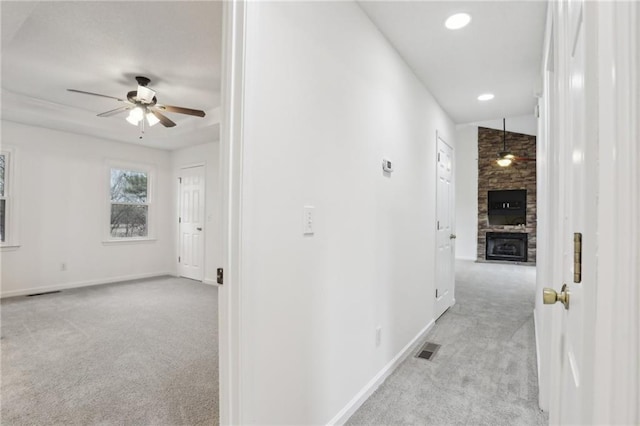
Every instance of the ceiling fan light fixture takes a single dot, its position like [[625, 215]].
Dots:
[[457, 21], [152, 120], [135, 116], [504, 162], [145, 94]]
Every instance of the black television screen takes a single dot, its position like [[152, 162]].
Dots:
[[507, 207]]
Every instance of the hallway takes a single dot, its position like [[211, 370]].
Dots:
[[485, 371]]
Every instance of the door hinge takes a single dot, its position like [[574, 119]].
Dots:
[[179, 220], [577, 257], [436, 293], [438, 156], [220, 276], [180, 179], [438, 225], [178, 259]]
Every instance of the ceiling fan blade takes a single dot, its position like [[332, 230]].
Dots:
[[95, 94], [524, 159], [115, 111], [163, 118], [182, 110]]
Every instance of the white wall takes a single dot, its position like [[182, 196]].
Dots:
[[466, 170], [525, 124], [467, 177], [209, 155], [326, 98], [63, 213]]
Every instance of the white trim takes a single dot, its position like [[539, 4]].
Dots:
[[536, 333], [231, 147], [473, 259], [616, 369], [368, 389], [87, 283], [128, 241], [210, 281]]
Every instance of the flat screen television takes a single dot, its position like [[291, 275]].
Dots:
[[507, 207]]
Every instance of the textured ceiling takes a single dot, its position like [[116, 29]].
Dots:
[[48, 47], [500, 52]]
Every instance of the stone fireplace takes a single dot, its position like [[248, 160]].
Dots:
[[506, 199]]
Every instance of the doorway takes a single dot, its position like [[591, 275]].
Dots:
[[444, 228]]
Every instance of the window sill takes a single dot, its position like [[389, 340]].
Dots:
[[9, 247], [128, 241]]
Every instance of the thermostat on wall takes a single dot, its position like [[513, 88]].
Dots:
[[386, 165]]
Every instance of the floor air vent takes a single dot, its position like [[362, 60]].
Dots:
[[428, 351], [42, 294]]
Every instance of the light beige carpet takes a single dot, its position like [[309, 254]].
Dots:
[[135, 353], [485, 371]]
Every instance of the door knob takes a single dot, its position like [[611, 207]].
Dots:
[[199, 229], [452, 236], [550, 296]]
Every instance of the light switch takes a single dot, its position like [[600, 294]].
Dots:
[[307, 220]]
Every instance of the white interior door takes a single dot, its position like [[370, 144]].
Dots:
[[191, 223], [444, 229], [571, 350]]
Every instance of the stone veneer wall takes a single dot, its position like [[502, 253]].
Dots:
[[521, 175]]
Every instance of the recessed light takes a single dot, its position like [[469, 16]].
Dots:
[[457, 21], [486, 97]]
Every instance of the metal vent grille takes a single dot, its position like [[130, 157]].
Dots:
[[428, 351]]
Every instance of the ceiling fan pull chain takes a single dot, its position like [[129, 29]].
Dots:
[[141, 128]]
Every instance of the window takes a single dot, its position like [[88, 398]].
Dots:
[[129, 202], [4, 194]]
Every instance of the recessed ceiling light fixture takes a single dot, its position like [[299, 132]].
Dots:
[[486, 97], [457, 21]]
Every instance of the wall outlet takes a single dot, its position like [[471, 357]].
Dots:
[[378, 335], [63, 266]]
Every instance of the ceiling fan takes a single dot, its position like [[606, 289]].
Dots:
[[506, 158], [143, 106]]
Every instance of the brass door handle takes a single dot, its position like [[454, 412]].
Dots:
[[550, 296], [452, 237], [199, 229]]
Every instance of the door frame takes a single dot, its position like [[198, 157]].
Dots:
[[230, 331], [204, 208], [617, 330], [614, 392], [452, 206]]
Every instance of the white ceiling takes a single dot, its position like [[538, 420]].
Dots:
[[500, 52], [48, 47]]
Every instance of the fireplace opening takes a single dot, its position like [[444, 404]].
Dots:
[[510, 246]]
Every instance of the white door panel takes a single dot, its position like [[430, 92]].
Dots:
[[191, 225], [444, 228], [571, 346]]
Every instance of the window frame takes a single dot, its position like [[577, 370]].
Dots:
[[150, 171], [11, 227]]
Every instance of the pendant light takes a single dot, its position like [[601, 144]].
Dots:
[[505, 158]]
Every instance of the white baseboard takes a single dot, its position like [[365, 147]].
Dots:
[[87, 283], [474, 258], [359, 399], [536, 329]]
